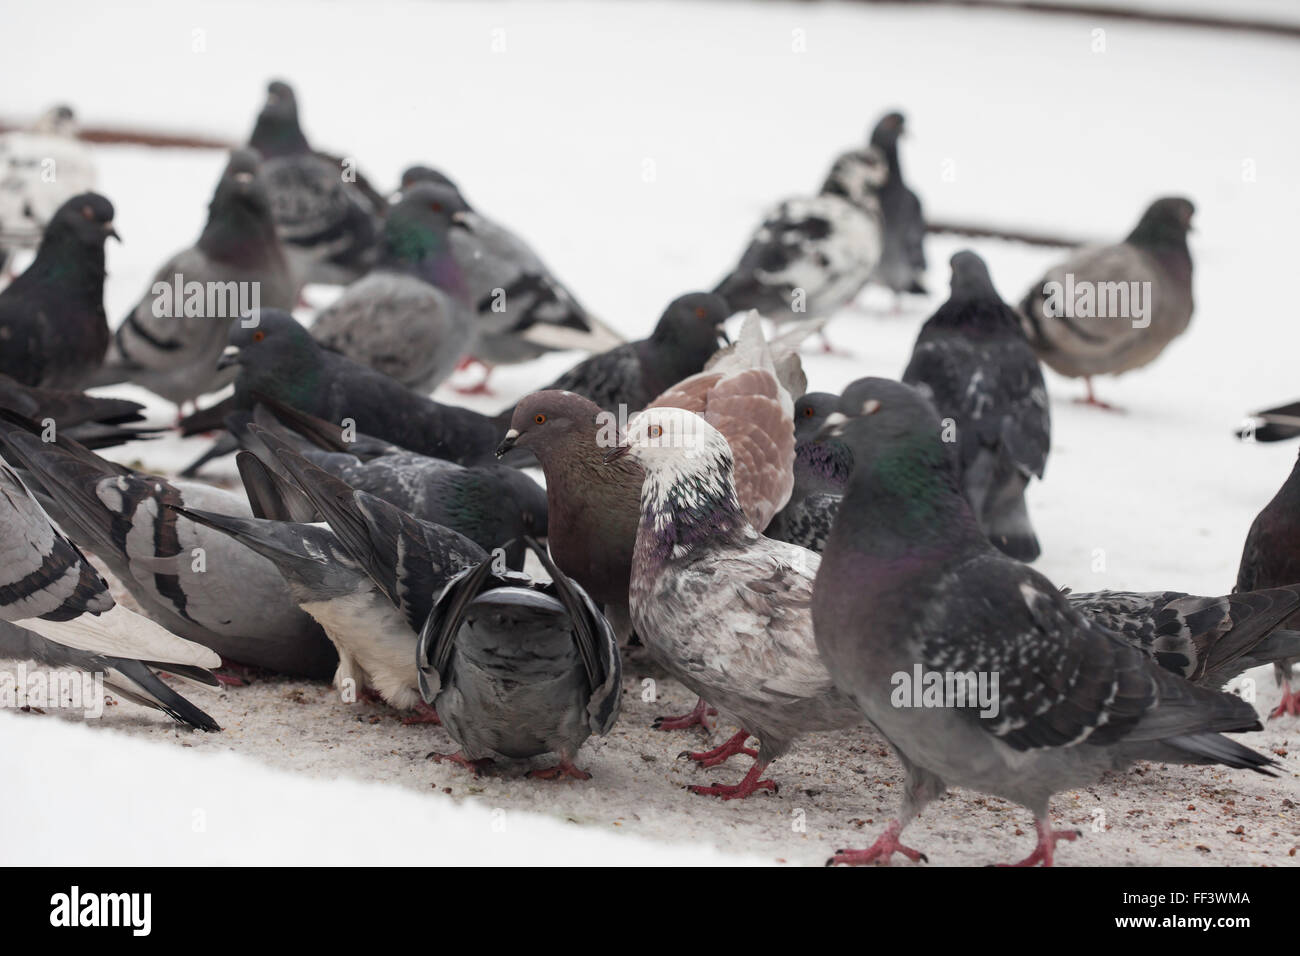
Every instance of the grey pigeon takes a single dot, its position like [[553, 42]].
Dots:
[[1270, 558], [52, 325], [633, 375], [93, 421], [522, 309], [917, 615], [171, 341], [1207, 640], [278, 358], [1110, 309], [902, 260], [56, 609], [193, 581], [517, 668], [396, 319], [492, 505], [40, 169], [821, 470], [720, 607], [972, 361], [324, 208], [812, 255]]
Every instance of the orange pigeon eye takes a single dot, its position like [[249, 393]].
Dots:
[[654, 431], [808, 412], [701, 312], [259, 335], [540, 419], [436, 206], [88, 213]]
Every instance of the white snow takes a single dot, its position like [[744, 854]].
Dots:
[[636, 145]]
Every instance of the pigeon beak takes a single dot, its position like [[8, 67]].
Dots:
[[508, 442], [229, 357], [614, 454], [110, 231]]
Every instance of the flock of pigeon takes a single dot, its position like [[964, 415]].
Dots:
[[787, 555]]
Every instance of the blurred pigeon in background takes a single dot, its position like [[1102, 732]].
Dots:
[[171, 341], [902, 260], [41, 168], [1110, 309], [52, 319], [518, 668], [1272, 424], [971, 360]]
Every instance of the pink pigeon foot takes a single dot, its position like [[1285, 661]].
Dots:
[[711, 758], [424, 714], [1047, 838], [1289, 705], [879, 852], [693, 719], [739, 791], [564, 768], [1092, 399], [476, 766]]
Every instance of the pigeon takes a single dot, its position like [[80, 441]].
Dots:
[[821, 470], [632, 375], [917, 614], [324, 209], [972, 361], [396, 319], [40, 169], [1110, 309], [93, 421], [55, 608], [492, 505], [52, 327], [1207, 640], [414, 175], [517, 668], [720, 607], [812, 255], [1270, 558], [277, 357], [171, 341], [522, 309], [902, 259], [1272, 424], [196, 583], [407, 562]]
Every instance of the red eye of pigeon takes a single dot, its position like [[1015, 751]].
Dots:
[[259, 335], [701, 312], [436, 206], [540, 419], [808, 412], [88, 213]]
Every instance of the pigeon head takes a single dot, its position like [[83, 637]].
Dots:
[[417, 225], [857, 175], [57, 121], [86, 220], [277, 132], [887, 130], [552, 422], [273, 352], [692, 323], [810, 411], [241, 185], [892, 408], [688, 495], [1166, 222], [414, 175]]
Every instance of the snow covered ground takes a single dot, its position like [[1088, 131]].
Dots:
[[636, 144]]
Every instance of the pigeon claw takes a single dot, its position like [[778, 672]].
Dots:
[[1289, 705], [424, 714], [879, 852], [751, 784], [1047, 837], [732, 746], [476, 766], [564, 768], [693, 719]]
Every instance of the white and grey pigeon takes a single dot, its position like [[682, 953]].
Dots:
[[324, 208], [1107, 310], [396, 319], [721, 608], [902, 259], [974, 364], [40, 168], [812, 255], [171, 343], [974, 667], [55, 608], [193, 581], [522, 309], [519, 668]]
